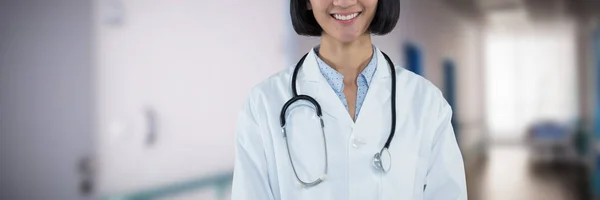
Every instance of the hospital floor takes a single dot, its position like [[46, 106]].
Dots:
[[507, 173]]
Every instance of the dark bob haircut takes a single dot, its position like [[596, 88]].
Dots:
[[384, 21]]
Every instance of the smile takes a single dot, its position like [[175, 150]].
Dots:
[[345, 17]]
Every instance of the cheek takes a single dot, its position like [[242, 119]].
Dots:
[[370, 15], [319, 10], [320, 15], [371, 6], [318, 6], [369, 3]]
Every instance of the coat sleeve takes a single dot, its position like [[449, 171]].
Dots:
[[250, 175], [446, 175]]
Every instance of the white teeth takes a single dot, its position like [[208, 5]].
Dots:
[[345, 17]]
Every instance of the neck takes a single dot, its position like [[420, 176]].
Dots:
[[350, 58]]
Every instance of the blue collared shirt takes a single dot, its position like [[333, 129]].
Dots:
[[336, 80]]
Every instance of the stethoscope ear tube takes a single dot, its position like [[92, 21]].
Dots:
[[295, 74], [297, 98], [393, 107]]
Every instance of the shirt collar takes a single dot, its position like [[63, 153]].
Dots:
[[336, 80]]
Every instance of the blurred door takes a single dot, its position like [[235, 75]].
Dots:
[[45, 100]]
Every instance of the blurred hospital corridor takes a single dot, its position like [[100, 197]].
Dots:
[[117, 99], [508, 173]]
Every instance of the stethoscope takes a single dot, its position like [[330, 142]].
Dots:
[[377, 158]]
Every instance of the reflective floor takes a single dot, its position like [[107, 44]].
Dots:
[[508, 174]]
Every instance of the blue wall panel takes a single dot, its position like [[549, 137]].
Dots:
[[414, 58]]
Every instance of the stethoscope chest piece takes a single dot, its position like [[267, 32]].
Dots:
[[382, 160]]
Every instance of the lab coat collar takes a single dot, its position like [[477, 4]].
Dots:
[[311, 82]]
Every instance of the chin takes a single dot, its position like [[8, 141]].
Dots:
[[346, 38]]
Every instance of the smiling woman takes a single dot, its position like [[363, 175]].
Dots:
[[346, 145]]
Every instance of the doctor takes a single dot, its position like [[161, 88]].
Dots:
[[345, 123]]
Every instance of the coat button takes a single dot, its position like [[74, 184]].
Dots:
[[358, 142]]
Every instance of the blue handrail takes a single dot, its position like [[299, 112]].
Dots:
[[221, 182]]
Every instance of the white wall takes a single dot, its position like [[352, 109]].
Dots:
[[531, 74], [193, 62]]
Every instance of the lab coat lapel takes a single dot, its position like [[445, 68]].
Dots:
[[379, 91], [378, 101], [311, 82]]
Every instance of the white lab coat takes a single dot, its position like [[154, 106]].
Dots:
[[426, 162]]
